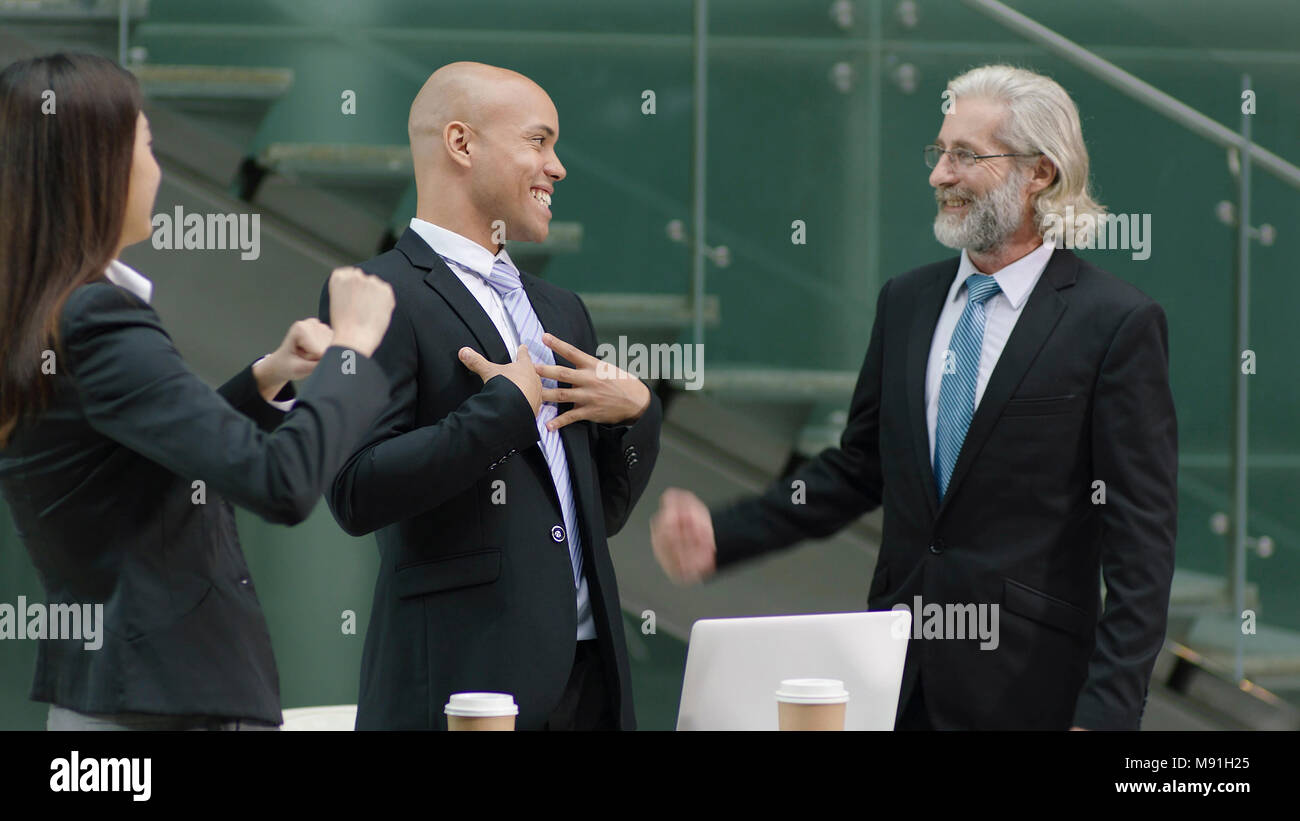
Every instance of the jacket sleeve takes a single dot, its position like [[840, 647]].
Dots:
[[625, 455], [1135, 452], [242, 393], [826, 493], [400, 470], [135, 389]]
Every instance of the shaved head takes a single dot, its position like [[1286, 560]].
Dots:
[[483, 149], [473, 93]]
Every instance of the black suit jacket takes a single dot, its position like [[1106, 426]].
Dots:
[[472, 594], [1080, 394], [101, 486]]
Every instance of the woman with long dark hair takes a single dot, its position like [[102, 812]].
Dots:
[[116, 460]]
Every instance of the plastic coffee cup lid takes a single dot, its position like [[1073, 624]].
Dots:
[[479, 705], [812, 691]]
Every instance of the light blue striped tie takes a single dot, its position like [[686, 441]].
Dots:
[[961, 371], [505, 280]]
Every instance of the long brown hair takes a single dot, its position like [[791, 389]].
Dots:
[[67, 139]]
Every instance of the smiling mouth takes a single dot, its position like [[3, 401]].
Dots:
[[542, 197]]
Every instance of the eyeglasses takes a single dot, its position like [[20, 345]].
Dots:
[[963, 157]]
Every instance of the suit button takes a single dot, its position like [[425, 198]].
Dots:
[[244, 581], [557, 533], [936, 548]]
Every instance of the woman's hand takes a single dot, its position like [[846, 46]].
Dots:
[[296, 358]]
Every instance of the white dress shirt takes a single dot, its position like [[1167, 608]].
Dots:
[[126, 277], [1001, 311], [472, 263]]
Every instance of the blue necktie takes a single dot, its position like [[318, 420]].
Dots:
[[505, 280], [957, 388]]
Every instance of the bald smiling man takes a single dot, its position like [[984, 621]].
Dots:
[[503, 461]]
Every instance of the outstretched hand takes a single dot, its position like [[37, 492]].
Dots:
[[600, 392], [681, 535]]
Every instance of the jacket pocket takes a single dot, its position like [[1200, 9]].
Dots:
[[1045, 609], [448, 573], [1042, 406]]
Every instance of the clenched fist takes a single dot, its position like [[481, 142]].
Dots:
[[303, 347], [681, 533], [361, 306], [296, 357]]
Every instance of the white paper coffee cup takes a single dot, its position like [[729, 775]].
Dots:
[[812, 691], [811, 704], [481, 711]]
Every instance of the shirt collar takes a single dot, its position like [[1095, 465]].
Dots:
[[124, 276], [1016, 280], [463, 251]]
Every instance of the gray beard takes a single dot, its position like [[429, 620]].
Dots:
[[989, 221]]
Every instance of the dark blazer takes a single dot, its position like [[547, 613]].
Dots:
[[472, 594], [1080, 394], [102, 490]]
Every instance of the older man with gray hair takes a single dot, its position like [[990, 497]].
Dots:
[[1013, 417]]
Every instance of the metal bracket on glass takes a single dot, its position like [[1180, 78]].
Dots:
[[1227, 212], [721, 255], [1263, 545]]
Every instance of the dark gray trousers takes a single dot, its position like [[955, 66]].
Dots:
[[61, 718]]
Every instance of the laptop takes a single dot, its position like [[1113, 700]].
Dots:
[[735, 666]]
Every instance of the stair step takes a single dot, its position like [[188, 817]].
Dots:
[[172, 82], [776, 384], [339, 161], [1200, 592], [1270, 653], [562, 238], [627, 312], [76, 11]]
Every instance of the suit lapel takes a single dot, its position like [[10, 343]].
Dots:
[[441, 279], [1032, 329], [924, 319]]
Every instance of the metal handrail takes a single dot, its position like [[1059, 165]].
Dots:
[[1139, 90]]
